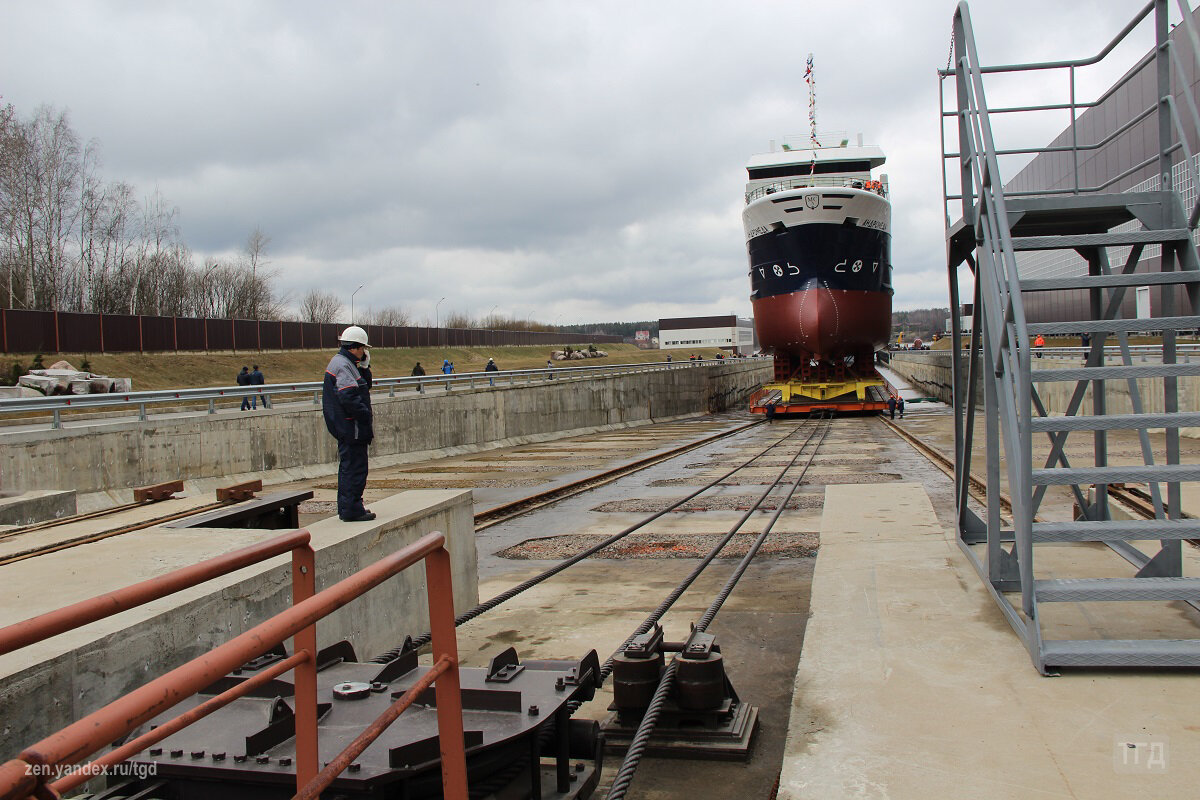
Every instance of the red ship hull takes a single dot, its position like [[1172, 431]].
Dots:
[[825, 324]]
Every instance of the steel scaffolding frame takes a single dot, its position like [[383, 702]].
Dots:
[[1091, 221]]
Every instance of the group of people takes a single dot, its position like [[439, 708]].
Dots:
[[895, 403], [255, 378]]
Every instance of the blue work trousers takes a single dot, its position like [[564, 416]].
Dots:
[[352, 479]]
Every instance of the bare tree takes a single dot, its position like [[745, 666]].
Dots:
[[392, 316], [320, 306], [458, 319], [255, 251]]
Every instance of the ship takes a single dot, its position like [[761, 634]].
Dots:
[[818, 236]]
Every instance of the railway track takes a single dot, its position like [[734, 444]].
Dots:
[[507, 511]]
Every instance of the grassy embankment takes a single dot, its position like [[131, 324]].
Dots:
[[186, 370]]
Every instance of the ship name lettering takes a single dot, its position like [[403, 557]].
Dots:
[[872, 223], [839, 267]]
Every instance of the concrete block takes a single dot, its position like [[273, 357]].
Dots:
[[36, 506]]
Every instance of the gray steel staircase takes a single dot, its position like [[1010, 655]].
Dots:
[[1110, 232]]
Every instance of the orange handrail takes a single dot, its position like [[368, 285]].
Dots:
[[28, 774], [36, 629]]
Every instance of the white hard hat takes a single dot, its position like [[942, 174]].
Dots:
[[355, 335]]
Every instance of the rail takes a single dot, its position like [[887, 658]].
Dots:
[[1165, 106], [31, 773], [56, 405]]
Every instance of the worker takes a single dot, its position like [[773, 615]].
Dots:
[[892, 405], [900, 405], [491, 366], [1038, 344], [418, 370], [346, 402], [447, 367]]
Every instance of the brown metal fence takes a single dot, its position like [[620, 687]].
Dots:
[[70, 332]]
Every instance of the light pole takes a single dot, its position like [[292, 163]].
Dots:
[[352, 303], [436, 326]]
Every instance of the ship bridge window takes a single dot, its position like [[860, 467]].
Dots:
[[825, 168]]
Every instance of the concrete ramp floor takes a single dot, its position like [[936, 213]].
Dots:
[[912, 685]]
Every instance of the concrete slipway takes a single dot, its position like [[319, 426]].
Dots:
[[907, 681]]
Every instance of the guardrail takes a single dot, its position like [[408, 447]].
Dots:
[[55, 405], [29, 775]]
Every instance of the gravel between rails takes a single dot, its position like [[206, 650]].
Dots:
[[684, 545]]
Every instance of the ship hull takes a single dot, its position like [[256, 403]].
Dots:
[[824, 324], [820, 272]]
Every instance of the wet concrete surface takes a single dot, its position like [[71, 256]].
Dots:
[[596, 604]]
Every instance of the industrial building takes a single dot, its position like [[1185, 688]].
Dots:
[[730, 332]]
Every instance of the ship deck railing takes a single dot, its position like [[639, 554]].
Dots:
[[814, 181]]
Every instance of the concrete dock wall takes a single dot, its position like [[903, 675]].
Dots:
[[929, 371], [292, 436], [46, 686]]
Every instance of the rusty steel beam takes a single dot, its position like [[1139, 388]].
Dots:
[[95, 731], [52, 623], [239, 491], [159, 491]]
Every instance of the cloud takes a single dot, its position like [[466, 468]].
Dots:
[[564, 161]]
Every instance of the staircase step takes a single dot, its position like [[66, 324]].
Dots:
[[1163, 473], [1121, 653], [1112, 422], [1083, 590], [1109, 281], [1116, 239], [1116, 530], [1119, 372], [1115, 325]]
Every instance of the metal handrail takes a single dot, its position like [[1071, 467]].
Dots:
[[56, 404], [1075, 106], [30, 774]]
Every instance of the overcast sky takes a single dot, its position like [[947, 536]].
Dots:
[[559, 161]]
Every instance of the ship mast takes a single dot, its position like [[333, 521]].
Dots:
[[811, 79]]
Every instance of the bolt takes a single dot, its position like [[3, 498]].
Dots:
[[197, 754], [240, 759], [218, 756], [579, 766], [156, 751], [533, 711], [377, 686], [176, 754], [263, 759], [355, 767], [560, 684], [285, 762], [573, 777]]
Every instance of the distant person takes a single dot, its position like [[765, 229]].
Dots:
[[668, 358], [418, 370], [491, 366], [900, 406], [1038, 344], [1085, 339], [447, 367], [771, 411], [346, 402], [243, 379], [892, 405], [258, 379]]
